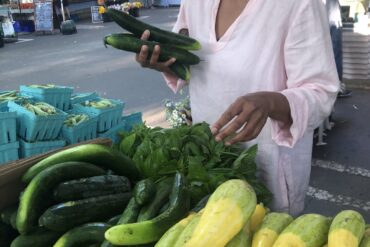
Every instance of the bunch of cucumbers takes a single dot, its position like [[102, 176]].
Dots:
[[39, 108], [75, 119], [172, 45], [70, 195]]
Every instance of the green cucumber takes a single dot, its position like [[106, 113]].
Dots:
[[137, 27], [151, 210], [129, 215], [152, 230], [96, 154], [91, 187], [38, 238], [365, 242], [182, 71], [64, 216], [87, 234], [114, 220], [128, 42], [34, 200], [144, 191], [7, 213]]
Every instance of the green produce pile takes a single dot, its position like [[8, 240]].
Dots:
[[172, 45], [193, 151], [10, 96], [40, 108], [75, 119], [101, 104], [45, 86]]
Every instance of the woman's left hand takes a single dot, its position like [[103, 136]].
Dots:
[[245, 118]]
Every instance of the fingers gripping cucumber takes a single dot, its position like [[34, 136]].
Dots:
[[137, 27], [92, 153], [32, 201], [128, 42]]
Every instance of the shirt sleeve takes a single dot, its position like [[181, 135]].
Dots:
[[312, 79], [173, 82]]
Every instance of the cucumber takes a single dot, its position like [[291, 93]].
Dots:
[[91, 187], [182, 71], [114, 220], [128, 216], [144, 191], [137, 27], [128, 42], [272, 225], [91, 233], [34, 199], [96, 154], [151, 230], [65, 216], [347, 229], [161, 197], [310, 230], [7, 234], [7, 213], [39, 238], [242, 239]]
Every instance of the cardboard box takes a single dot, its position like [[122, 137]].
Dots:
[[11, 173]]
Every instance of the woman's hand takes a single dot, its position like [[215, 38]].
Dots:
[[245, 118], [147, 61]]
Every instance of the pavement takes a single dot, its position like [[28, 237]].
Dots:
[[340, 176]]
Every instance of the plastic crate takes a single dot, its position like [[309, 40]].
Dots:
[[4, 104], [133, 119], [59, 97], [8, 127], [108, 117], [82, 97], [82, 132], [113, 132], [37, 128], [28, 149], [9, 152]]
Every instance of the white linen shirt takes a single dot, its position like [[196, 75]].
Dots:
[[274, 45]]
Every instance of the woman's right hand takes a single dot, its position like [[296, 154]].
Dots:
[[147, 61]]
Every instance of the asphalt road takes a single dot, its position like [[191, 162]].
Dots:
[[340, 176]]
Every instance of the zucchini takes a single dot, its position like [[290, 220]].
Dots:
[[272, 225], [152, 209], [152, 230], [128, 42], [366, 239], [188, 231], [182, 71], [91, 187], [39, 238], [144, 191], [137, 27], [257, 217], [96, 154], [172, 234], [65, 216], [33, 201], [7, 213], [309, 230], [226, 213], [347, 229], [7, 234], [88, 234]]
